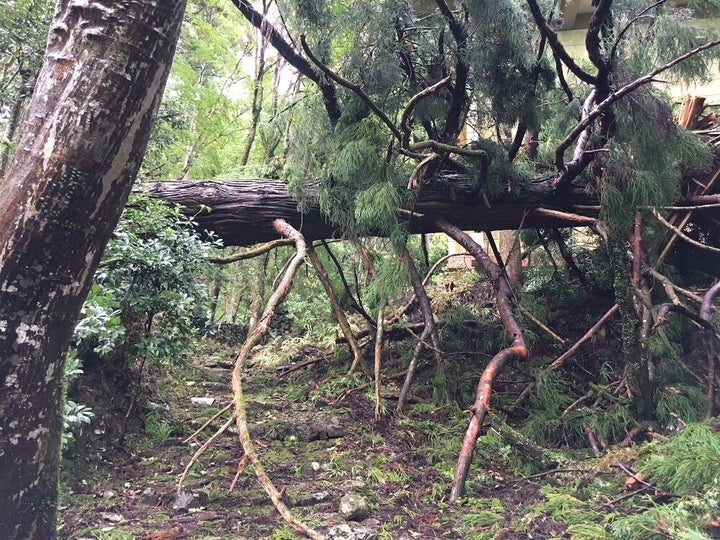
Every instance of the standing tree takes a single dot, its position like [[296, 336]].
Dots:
[[79, 150]]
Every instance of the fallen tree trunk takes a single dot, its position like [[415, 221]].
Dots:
[[241, 212]]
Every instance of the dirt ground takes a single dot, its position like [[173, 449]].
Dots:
[[317, 443]]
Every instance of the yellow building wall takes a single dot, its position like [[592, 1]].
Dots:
[[574, 42]]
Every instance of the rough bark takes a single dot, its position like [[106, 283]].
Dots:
[[242, 211], [79, 150]]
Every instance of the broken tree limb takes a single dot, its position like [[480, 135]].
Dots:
[[251, 253], [517, 351], [430, 329], [478, 412], [260, 329], [711, 346], [241, 212], [337, 310], [590, 333]]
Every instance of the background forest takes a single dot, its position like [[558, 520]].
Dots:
[[574, 343]]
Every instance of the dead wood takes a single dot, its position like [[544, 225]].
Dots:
[[429, 331], [241, 212], [378, 359], [251, 253], [711, 346], [518, 351], [338, 312], [590, 333], [255, 335]]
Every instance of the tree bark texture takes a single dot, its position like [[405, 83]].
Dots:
[[79, 150], [242, 211]]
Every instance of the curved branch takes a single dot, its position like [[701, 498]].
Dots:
[[613, 51], [404, 125], [558, 50], [288, 52], [353, 88], [459, 96], [592, 38], [601, 107], [518, 351], [682, 235], [283, 228]]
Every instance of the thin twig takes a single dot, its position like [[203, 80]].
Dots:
[[206, 424], [200, 451], [590, 333]]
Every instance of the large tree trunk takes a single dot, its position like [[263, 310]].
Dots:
[[79, 151], [242, 211]]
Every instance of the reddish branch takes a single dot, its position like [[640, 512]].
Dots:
[[517, 351]]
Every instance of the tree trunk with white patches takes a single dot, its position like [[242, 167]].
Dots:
[[80, 147]]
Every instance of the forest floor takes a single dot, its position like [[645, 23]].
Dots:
[[319, 441], [314, 428]]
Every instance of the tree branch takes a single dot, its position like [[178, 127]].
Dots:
[[353, 88], [557, 48], [453, 120], [601, 107], [288, 52]]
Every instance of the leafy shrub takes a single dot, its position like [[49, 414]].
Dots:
[[149, 292]]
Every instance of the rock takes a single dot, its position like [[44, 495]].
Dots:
[[354, 507], [186, 501], [341, 532], [202, 401], [345, 532], [310, 499], [352, 484]]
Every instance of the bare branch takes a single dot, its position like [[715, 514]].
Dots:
[[251, 253], [677, 232], [601, 107], [288, 52], [353, 88]]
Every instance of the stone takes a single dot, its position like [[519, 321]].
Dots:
[[186, 501], [202, 401], [341, 532], [354, 507], [310, 499], [346, 532]]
